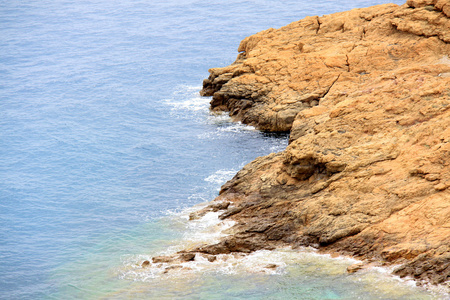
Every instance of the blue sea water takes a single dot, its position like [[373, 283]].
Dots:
[[105, 143]]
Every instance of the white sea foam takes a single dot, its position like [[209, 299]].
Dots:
[[218, 118], [221, 176], [226, 130], [237, 127], [305, 261], [207, 230], [226, 124], [189, 104], [260, 262], [183, 214], [187, 98]]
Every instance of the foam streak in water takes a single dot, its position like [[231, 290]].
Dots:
[[221, 176]]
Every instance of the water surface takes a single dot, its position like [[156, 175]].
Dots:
[[104, 142]]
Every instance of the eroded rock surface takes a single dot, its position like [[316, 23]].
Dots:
[[279, 73], [366, 97]]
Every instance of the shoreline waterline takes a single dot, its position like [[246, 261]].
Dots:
[[266, 263]]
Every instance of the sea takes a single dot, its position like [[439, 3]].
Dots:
[[106, 147]]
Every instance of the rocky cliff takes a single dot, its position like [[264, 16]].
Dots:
[[365, 95]]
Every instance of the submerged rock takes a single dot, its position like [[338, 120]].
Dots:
[[162, 259], [355, 268], [173, 267], [210, 258], [187, 256], [271, 266]]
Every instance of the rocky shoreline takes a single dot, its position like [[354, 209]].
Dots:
[[365, 95]]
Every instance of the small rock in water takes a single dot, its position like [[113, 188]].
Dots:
[[162, 259], [187, 256], [145, 264], [271, 266], [354, 268], [210, 258], [194, 216], [172, 268]]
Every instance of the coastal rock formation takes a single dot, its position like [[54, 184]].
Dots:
[[365, 95], [279, 73]]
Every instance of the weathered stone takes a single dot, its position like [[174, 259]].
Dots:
[[367, 170], [271, 266], [210, 258], [230, 212], [366, 44], [220, 206], [186, 256], [213, 207], [162, 259], [355, 267]]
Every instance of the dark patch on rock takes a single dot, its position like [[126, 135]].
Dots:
[[186, 257]]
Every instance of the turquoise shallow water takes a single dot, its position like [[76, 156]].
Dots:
[[104, 142]]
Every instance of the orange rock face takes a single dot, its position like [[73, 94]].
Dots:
[[325, 60], [365, 95]]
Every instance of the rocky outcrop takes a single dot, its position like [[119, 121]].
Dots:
[[279, 73], [365, 95]]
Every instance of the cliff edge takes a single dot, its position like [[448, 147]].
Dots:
[[365, 95]]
